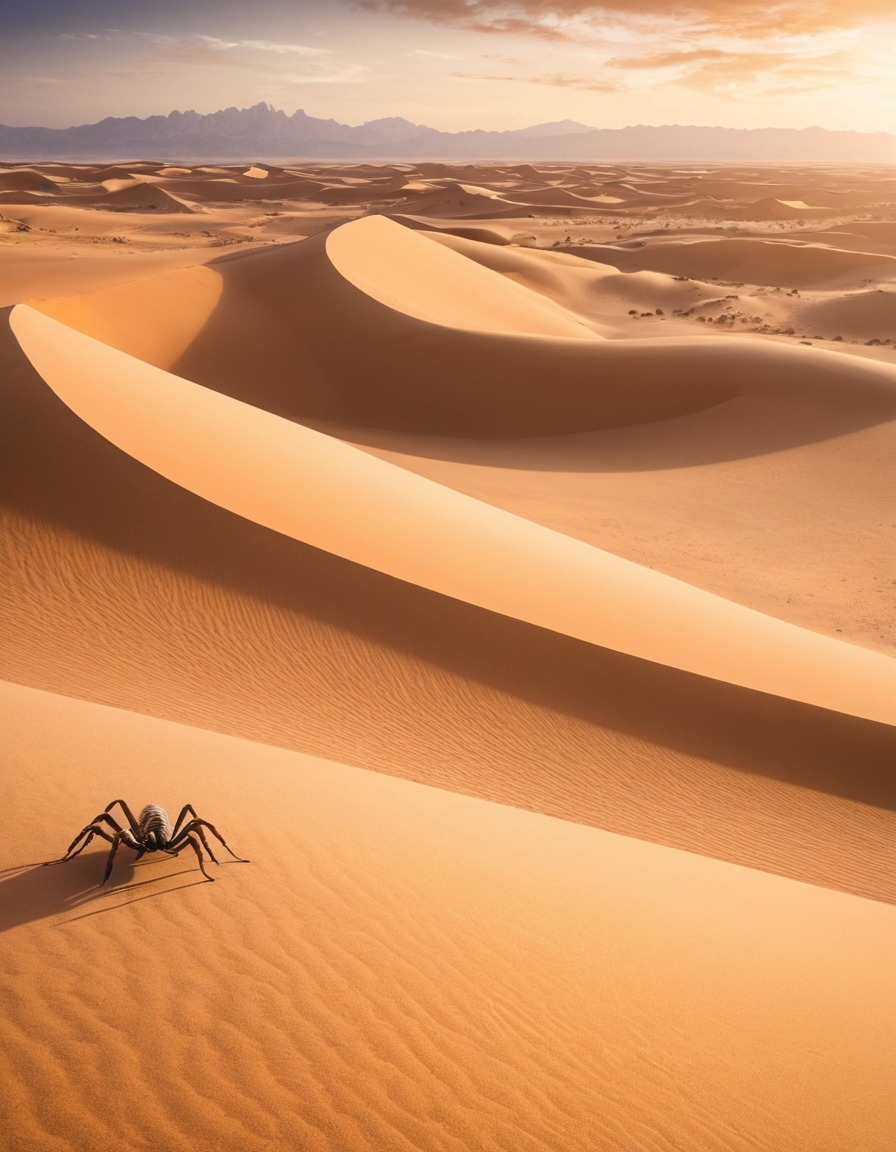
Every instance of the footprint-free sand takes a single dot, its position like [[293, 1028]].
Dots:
[[501, 557]]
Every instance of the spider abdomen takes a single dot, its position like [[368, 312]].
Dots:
[[155, 826]]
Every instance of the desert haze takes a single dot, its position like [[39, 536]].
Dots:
[[500, 557]]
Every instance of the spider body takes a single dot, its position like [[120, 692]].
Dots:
[[151, 832], [155, 827]]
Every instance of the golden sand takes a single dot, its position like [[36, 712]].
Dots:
[[501, 558]]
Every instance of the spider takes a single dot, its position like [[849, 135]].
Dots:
[[153, 832]]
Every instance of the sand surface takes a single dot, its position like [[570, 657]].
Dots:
[[502, 558]]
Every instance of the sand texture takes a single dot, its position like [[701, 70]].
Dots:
[[501, 557]]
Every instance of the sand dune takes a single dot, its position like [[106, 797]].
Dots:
[[78, 527], [754, 261], [267, 341], [859, 315], [496, 234], [25, 180], [386, 549], [278, 343], [27, 275], [142, 197], [370, 513], [392, 265], [227, 189]]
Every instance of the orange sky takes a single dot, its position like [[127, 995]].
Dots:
[[457, 64]]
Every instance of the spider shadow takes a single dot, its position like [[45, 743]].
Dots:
[[32, 892]]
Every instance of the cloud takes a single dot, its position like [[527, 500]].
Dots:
[[565, 19], [552, 80], [666, 59], [239, 54], [500, 58], [334, 74], [328, 74], [212, 45], [749, 73], [714, 71], [262, 46], [435, 55]]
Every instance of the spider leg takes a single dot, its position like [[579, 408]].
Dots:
[[194, 844], [129, 815], [176, 834], [88, 833], [186, 808], [195, 825], [106, 818], [119, 838], [103, 816], [178, 840]]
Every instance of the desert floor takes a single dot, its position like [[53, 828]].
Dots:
[[501, 558]]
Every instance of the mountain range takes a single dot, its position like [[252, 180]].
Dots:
[[263, 132]]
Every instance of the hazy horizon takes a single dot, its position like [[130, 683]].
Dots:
[[457, 64]]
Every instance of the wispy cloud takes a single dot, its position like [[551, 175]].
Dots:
[[243, 55], [568, 19], [666, 59], [435, 55], [214, 45], [726, 72], [332, 74], [274, 46], [550, 79]]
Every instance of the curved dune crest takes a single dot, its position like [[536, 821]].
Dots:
[[378, 515], [397, 267]]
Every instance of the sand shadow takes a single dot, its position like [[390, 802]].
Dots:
[[32, 892]]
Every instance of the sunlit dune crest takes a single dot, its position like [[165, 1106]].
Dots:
[[498, 557]]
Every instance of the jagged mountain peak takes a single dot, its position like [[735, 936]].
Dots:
[[264, 131]]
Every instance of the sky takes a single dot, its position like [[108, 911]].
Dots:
[[456, 64]]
